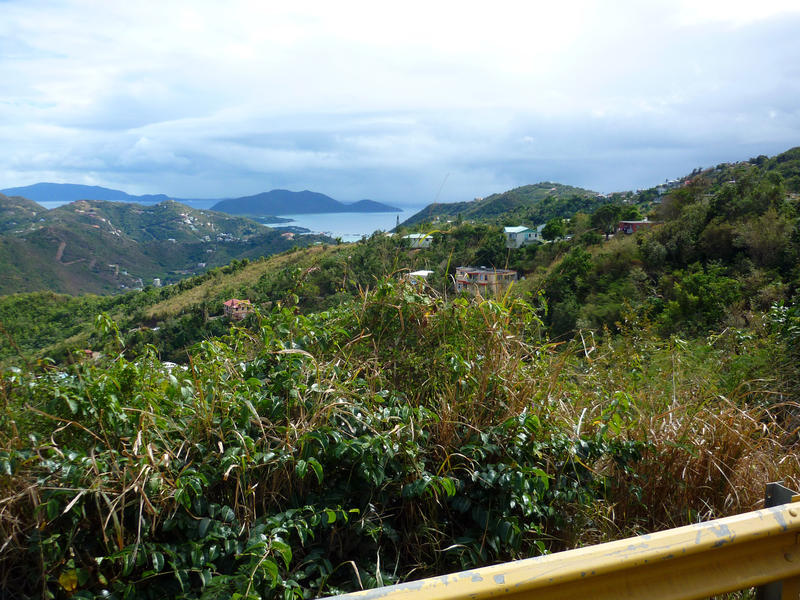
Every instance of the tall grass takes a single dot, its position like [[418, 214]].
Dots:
[[396, 436]]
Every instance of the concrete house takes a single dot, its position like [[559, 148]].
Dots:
[[236, 310], [518, 236], [483, 280], [419, 240], [634, 226]]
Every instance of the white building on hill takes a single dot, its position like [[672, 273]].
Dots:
[[520, 235], [419, 240]]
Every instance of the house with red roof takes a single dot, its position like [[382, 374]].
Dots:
[[236, 309]]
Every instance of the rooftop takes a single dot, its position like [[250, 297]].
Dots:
[[484, 270]]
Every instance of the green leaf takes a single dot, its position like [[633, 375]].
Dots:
[[158, 561], [314, 463], [202, 528], [205, 577], [284, 550], [331, 515], [272, 570], [227, 514]]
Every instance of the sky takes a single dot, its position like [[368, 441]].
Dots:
[[406, 103]]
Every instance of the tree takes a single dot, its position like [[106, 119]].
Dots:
[[630, 212], [606, 218], [554, 229]]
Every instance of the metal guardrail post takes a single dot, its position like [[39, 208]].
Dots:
[[777, 494]]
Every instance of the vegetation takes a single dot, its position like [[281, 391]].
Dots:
[[531, 203], [360, 429], [102, 247], [394, 437]]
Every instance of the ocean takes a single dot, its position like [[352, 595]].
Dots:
[[350, 227]]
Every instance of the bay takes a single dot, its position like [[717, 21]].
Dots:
[[349, 227]]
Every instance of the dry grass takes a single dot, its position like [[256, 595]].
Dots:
[[248, 275]]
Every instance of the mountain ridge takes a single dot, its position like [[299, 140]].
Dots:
[[98, 246], [271, 203], [536, 202], [279, 201]]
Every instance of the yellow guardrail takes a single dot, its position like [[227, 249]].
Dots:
[[696, 561]]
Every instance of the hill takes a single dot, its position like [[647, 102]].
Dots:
[[363, 420], [16, 212], [70, 192], [535, 204], [283, 202], [102, 247]]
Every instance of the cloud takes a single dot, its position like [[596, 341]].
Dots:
[[360, 99]]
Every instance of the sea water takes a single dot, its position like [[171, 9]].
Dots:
[[350, 227]]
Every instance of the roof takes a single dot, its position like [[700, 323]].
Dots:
[[484, 270], [234, 302], [516, 229], [422, 273], [416, 236]]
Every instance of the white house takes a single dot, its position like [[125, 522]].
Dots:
[[419, 240], [520, 235]]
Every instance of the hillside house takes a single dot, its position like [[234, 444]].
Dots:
[[518, 236], [483, 280], [634, 226], [236, 310], [420, 275], [419, 240]]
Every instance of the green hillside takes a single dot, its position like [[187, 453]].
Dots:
[[360, 429], [105, 247], [535, 204], [16, 212]]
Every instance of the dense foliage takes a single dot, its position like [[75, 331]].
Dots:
[[393, 437], [360, 429]]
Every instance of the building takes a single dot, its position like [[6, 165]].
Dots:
[[236, 310], [419, 240], [487, 282], [634, 226], [518, 236], [419, 277]]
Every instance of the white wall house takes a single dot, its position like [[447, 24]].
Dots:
[[520, 235], [419, 240]]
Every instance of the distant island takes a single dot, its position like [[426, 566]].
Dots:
[[71, 192], [283, 202], [272, 203]]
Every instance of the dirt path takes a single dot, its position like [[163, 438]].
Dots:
[[60, 251]]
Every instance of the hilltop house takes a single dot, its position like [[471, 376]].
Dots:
[[419, 240], [483, 280], [520, 235], [236, 310]]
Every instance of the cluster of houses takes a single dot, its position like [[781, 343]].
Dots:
[[516, 237], [489, 281]]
